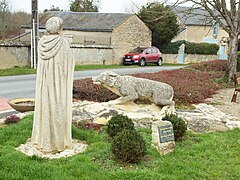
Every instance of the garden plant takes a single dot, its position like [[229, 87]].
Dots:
[[118, 123], [13, 118], [128, 146], [179, 125]]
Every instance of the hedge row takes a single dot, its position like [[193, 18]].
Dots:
[[191, 48], [172, 48]]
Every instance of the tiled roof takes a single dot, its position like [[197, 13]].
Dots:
[[191, 16], [86, 21]]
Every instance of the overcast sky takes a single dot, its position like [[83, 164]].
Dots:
[[108, 6]]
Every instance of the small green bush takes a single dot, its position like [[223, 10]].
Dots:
[[118, 123], [179, 126], [128, 146]]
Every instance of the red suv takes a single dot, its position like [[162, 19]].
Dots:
[[142, 56]]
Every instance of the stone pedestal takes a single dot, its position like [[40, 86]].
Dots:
[[30, 150], [163, 137]]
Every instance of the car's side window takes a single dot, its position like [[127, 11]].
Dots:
[[149, 51], [154, 50]]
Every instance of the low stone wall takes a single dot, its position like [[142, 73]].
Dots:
[[189, 58], [92, 54], [20, 54], [12, 55], [170, 58], [196, 58]]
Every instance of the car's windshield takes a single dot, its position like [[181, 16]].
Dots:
[[137, 50]]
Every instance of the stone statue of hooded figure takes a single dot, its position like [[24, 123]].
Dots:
[[53, 101]]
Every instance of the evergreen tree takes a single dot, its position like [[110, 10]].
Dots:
[[162, 22], [84, 6]]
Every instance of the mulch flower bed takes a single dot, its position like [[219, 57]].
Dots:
[[191, 85]]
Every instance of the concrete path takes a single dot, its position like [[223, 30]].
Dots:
[[4, 105], [5, 109]]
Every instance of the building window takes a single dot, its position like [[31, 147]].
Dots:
[[215, 30]]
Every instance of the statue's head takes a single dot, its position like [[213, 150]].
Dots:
[[54, 25], [107, 78]]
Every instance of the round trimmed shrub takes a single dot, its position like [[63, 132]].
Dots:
[[118, 123], [128, 146], [179, 126]]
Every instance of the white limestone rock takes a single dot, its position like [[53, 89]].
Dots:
[[143, 115], [206, 118]]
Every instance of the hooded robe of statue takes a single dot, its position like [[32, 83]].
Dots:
[[53, 99]]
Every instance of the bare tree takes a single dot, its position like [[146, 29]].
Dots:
[[132, 7], [11, 22], [4, 14], [227, 15], [18, 19]]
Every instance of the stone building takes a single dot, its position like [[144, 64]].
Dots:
[[195, 27], [99, 38]]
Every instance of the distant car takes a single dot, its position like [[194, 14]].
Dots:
[[143, 55]]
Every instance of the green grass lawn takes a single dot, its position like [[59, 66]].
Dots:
[[199, 156], [17, 71], [27, 70], [88, 67], [92, 67]]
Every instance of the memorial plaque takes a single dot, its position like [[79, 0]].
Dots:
[[163, 137], [166, 133]]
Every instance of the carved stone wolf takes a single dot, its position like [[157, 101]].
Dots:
[[130, 88]]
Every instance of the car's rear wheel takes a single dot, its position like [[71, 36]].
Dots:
[[142, 62], [159, 62]]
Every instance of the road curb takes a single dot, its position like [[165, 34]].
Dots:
[[6, 113]]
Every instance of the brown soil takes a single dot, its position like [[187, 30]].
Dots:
[[26, 103]]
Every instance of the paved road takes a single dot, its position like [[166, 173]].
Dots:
[[24, 85]]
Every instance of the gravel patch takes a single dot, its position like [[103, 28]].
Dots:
[[222, 101]]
